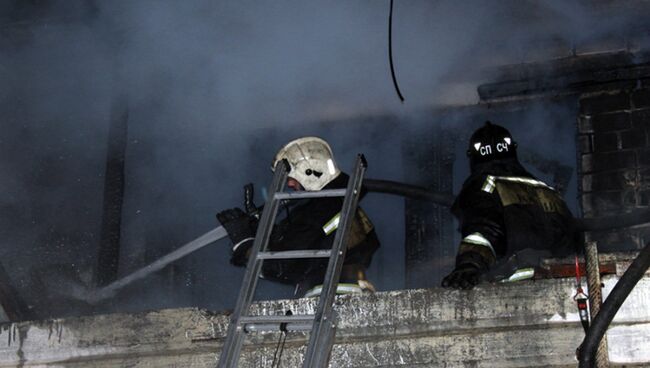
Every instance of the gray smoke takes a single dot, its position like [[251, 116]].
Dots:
[[214, 88]]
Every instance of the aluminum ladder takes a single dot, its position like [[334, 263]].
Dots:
[[321, 325]]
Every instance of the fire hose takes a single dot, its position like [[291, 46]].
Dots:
[[372, 185], [608, 310], [636, 217]]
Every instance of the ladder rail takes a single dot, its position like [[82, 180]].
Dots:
[[321, 338], [234, 338]]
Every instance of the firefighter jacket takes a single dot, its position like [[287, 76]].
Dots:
[[506, 214], [312, 224]]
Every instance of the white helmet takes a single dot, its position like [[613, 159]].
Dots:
[[311, 160]]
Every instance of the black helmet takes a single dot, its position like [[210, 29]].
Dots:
[[491, 142]]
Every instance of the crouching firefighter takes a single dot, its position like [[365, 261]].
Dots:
[[509, 220], [309, 224]]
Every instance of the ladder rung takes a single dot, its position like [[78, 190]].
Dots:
[[316, 194], [294, 254], [246, 320], [291, 326]]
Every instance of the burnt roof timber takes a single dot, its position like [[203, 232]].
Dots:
[[566, 76]]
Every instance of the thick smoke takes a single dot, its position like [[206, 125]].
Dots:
[[213, 88]]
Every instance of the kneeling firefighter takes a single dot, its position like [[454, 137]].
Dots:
[[310, 224], [509, 220]]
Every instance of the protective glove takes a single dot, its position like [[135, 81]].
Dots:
[[464, 276], [241, 229], [470, 266]]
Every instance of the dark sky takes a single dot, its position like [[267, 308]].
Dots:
[[213, 88]]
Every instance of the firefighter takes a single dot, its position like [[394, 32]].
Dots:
[[310, 224], [508, 219]]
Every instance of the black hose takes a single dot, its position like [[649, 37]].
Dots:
[[408, 190], [636, 217], [633, 218], [608, 310]]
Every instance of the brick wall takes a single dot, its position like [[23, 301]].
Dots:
[[614, 157]]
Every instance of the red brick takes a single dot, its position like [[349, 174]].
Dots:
[[644, 157], [585, 144], [643, 235], [644, 177], [641, 98], [586, 202], [641, 119], [644, 198], [617, 180], [606, 142], [605, 103], [613, 160], [616, 241], [612, 121], [587, 163], [629, 198], [633, 138], [585, 184], [605, 239], [602, 203], [584, 124]]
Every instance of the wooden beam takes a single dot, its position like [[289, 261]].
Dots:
[[570, 75]]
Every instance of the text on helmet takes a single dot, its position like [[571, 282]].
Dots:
[[484, 150]]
